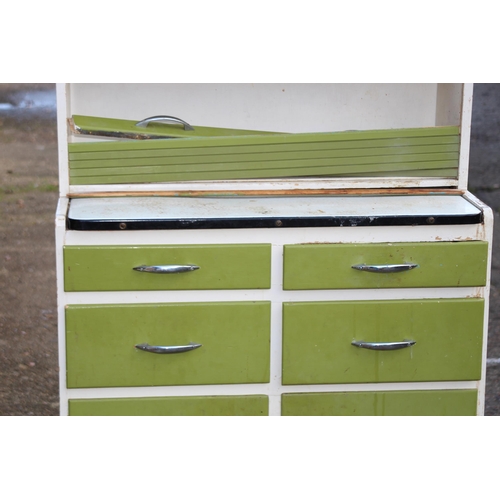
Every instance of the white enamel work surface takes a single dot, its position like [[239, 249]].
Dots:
[[178, 208]]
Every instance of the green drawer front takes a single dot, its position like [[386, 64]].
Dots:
[[108, 268], [100, 342], [388, 403], [317, 341], [172, 406], [445, 264]]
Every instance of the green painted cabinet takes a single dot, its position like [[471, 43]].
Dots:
[[255, 405], [269, 261], [108, 268], [101, 340], [382, 403], [437, 264], [318, 336]]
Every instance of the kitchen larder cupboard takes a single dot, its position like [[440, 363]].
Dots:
[[194, 280]]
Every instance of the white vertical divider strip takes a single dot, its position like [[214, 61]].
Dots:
[[276, 329], [60, 230], [488, 218], [465, 131], [62, 98], [487, 229]]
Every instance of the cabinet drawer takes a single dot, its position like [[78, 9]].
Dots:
[[444, 264], [172, 406], [387, 403], [106, 268], [101, 340], [317, 341]]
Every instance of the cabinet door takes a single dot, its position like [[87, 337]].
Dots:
[[318, 349], [445, 264], [255, 405], [232, 339], [382, 403]]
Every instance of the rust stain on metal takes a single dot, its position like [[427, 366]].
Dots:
[[322, 243], [481, 232]]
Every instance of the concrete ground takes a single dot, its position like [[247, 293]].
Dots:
[[28, 198]]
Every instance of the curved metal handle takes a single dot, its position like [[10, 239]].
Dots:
[[385, 268], [384, 346], [168, 269], [163, 118], [167, 349]]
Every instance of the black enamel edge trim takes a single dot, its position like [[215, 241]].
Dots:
[[268, 222]]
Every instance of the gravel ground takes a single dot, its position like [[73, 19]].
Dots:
[[484, 182], [28, 198]]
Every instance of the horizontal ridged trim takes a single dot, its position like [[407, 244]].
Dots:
[[403, 153], [181, 150], [409, 152]]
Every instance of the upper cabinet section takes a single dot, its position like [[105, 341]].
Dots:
[[287, 107], [227, 137]]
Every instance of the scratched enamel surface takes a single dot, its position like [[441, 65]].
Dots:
[[154, 208]]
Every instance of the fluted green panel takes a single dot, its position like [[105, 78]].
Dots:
[[408, 152], [95, 125], [293, 159], [152, 149]]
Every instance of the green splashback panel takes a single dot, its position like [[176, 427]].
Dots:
[[107, 268], [317, 340], [100, 342], [440, 264], [387, 403], [172, 406], [432, 151]]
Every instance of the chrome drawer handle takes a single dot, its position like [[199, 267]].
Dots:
[[384, 346], [385, 268], [170, 269], [167, 349], [163, 118]]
